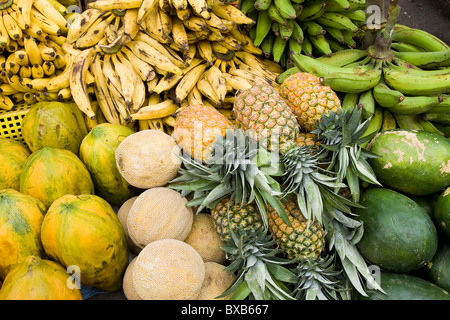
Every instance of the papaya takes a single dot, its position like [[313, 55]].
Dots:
[[85, 231], [21, 218], [50, 173], [39, 279], [53, 124], [399, 286], [439, 268], [442, 211], [97, 151], [412, 162], [13, 156], [399, 236]]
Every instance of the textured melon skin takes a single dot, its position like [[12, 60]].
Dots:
[[413, 162], [442, 211], [53, 124], [168, 269], [439, 268], [38, 279], [51, 173], [97, 151], [398, 236], [405, 287], [21, 218], [13, 156], [85, 231]]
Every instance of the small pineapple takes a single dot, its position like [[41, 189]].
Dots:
[[196, 128], [226, 215], [261, 111], [308, 98], [302, 240]]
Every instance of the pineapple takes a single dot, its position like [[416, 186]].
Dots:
[[196, 128], [303, 240], [307, 139], [226, 216], [308, 98], [261, 111]]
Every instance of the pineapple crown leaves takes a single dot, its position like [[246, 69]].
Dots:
[[341, 134], [253, 256], [237, 167], [318, 279], [343, 234], [313, 185]]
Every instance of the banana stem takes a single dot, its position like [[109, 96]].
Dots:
[[375, 20]]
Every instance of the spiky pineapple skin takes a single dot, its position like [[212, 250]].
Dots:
[[196, 128], [308, 98], [246, 217], [297, 241], [307, 139], [261, 110]]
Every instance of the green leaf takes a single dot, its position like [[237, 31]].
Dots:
[[281, 273]]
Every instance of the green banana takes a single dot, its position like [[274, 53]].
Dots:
[[343, 57], [294, 46], [385, 96], [348, 39], [355, 15], [262, 27], [415, 104], [406, 67], [262, 4], [405, 47], [335, 34], [286, 74], [418, 37], [442, 118], [279, 45], [443, 128], [389, 122], [297, 32], [350, 101], [312, 28], [275, 15], [307, 47], [443, 106], [285, 8], [408, 122], [321, 44], [430, 127], [287, 30], [407, 82], [367, 103], [246, 6], [338, 21], [266, 45], [426, 60], [375, 124], [338, 5], [353, 82], [312, 10]]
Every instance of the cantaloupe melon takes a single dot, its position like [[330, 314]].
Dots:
[[128, 286], [159, 213], [148, 159], [216, 281], [168, 269], [122, 214], [205, 239]]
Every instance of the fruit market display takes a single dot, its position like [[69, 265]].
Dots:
[[216, 150]]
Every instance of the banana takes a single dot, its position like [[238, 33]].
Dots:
[[144, 70], [7, 89], [155, 111], [183, 14], [104, 98], [24, 11], [312, 11], [47, 53], [62, 95], [389, 122], [194, 97], [426, 60], [188, 81], [12, 28], [376, 121], [78, 86], [442, 118], [338, 21], [169, 80], [45, 24], [229, 12], [348, 39], [218, 82], [4, 36], [350, 101], [21, 58], [419, 38], [385, 96], [93, 35], [285, 8], [126, 80], [179, 35], [180, 4], [261, 5], [205, 51], [278, 49], [195, 23], [267, 44], [408, 122], [343, 57], [138, 94], [262, 27], [405, 47], [38, 84], [206, 89], [82, 23], [321, 44], [18, 83], [62, 80], [17, 97], [312, 28], [367, 103], [286, 30], [275, 15], [353, 83], [430, 127], [219, 24], [407, 82], [5, 102], [59, 62], [108, 5], [443, 106], [237, 82], [200, 7], [50, 12]]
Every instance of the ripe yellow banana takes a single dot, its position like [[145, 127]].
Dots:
[[49, 11], [38, 84], [63, 95], [206, 89], [81, 24], [37, 71], [78, 86], [229, 12], [5, 102], [218, 82], [145, 8], [24, 10], [145, 70], [44, 23], [12, 28], [62, 80], [194, 97], [237, 82], [4, 36], [107, 5], [179, 35], [205, 51], [200, 7], [156, 111], [93, 34], [125, 78], [33, 52], [21, 58], [188, 81], [49, 68]]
